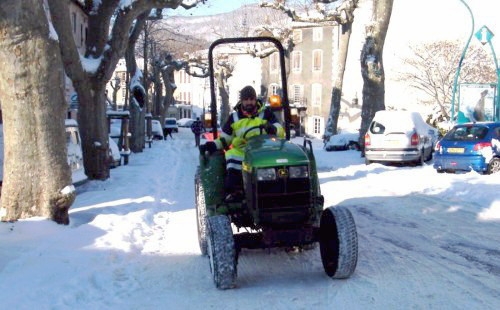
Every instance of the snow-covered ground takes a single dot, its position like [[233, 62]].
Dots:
[[426, 241]]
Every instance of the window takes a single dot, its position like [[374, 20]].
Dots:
[[274, 62], [317, 34], [317, 60], [185, 97], [81, 35], [316, 94], [317, 125], [184, 78], [273, 89], [298, 94], [73, 21], [297, 36], [296, 61]]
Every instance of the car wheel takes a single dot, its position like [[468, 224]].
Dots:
[[338, 242], [367, 162], [494, 165], [353, 146]]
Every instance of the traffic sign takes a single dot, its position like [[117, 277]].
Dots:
[[484, 35]]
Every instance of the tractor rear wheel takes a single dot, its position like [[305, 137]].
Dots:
[[338, 242], [222, 252]]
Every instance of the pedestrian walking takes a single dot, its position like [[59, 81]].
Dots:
[[167, 132], [197, 128]]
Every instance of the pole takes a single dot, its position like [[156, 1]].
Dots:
[[460, 63], [496, 110]]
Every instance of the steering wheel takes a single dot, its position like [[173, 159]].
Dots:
[[260, 127]]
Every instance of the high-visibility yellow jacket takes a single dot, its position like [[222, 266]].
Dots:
[[238, 123]]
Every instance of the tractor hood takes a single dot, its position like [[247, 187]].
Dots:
[[269, 151]]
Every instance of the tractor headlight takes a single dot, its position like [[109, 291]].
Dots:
[[266, 174], [298, 172]]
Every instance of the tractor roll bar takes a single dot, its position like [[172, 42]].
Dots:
[[213, 97]]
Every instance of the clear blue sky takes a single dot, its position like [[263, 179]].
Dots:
[[212, 7]]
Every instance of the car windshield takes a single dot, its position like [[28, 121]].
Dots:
[[170, 122], [467, 133]]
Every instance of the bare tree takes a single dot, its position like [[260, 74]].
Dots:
[[105, 46], [134, 74], [372, 66], [432, 66], [37, 178], [342, 15]]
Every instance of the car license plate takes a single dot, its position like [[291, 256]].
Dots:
[[393, 142], [456, 150]]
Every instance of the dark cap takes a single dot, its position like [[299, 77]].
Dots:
[[248, 92]]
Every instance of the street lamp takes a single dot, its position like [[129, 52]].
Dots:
[[460, 63]]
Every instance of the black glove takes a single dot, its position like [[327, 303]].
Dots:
[[211, 147], [271, 129]]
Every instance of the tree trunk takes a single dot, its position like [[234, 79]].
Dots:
[[169, 81], [37, 177], [137, 115], [344, 38], [93, 124], [221, 85], [372, 68]]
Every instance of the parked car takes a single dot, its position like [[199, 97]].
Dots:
[[185, 122], [399, 136], [156, 129], [75, 154], [470, 146], [115, 128], [171, 122], [343, 141], [115, 158]]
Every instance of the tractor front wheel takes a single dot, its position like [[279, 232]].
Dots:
[[201, 213], [222, 252]]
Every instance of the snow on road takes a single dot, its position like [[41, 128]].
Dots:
[[426, 241]]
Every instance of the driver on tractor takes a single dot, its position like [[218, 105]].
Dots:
[[249, 112]]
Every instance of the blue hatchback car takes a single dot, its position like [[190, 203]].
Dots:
[[470, 146]]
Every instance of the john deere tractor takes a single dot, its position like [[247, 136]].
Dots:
[[282, 205]]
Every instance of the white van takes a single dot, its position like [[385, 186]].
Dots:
[[171, 122], [399, 136]]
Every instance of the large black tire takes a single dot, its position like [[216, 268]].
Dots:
[[201, 213], [338, 242], [221, 251]]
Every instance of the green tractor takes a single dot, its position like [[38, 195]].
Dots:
[[282, 205]]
